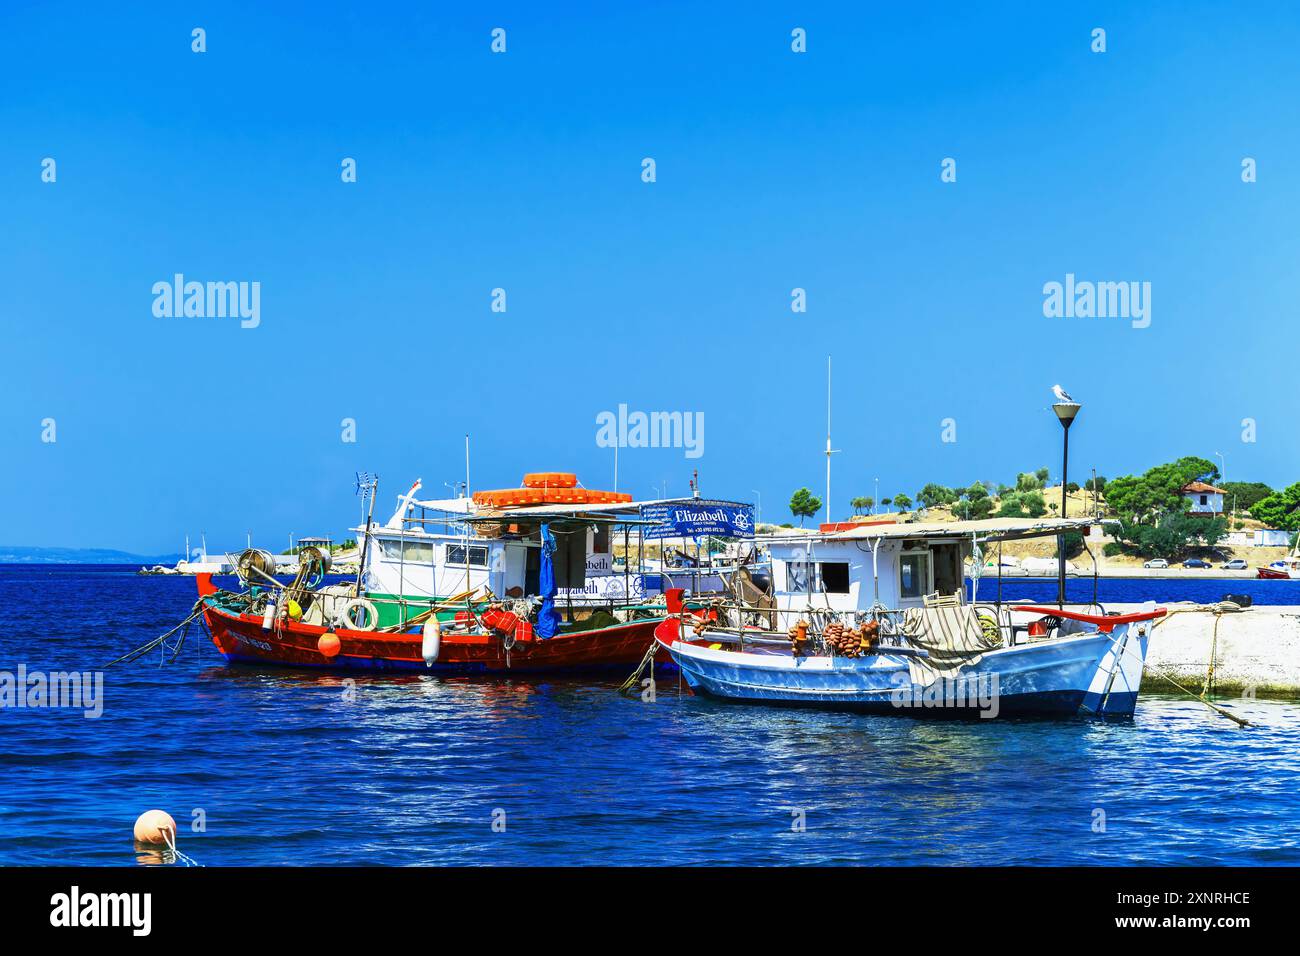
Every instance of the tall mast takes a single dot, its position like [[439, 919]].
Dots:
[[829, 450]]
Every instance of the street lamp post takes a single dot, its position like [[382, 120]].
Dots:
[[1065, 413]]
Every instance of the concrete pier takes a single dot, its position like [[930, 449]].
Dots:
[[1257, 652]]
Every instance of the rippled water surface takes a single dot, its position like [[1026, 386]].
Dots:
[[288, 770]]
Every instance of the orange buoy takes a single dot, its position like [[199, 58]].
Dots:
[[329, 644], [550, 479], [155, 828]]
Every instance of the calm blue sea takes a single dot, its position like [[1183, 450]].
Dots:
[[285, 769]]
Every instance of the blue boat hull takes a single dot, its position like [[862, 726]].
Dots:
[[1095, 674]]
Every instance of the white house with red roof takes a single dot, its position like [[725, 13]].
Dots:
[[1205, 498]]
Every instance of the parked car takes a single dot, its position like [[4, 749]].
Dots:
[[1236, 564], [1156, 563], [1195, 563]]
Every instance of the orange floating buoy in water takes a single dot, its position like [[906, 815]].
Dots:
[[155, 828], [328, 644]]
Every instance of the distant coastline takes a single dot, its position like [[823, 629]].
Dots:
[[13, 554]]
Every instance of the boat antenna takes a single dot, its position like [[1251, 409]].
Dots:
[[366, 486], [829, 450]]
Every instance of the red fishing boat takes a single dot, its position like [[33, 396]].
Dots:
[[516, 581], [471, 645]]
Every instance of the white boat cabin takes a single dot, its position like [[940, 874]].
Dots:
[[416, 563], [893, 565]]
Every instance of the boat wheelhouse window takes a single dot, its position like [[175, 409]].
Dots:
[[478, 556], [835, 577], [412, 552], [913, 574], [801, 576]]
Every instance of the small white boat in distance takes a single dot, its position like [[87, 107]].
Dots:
[[881, 623]]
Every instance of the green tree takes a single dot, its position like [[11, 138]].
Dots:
[[1042, 474], [860, 505], [933, 496], [1242, 495], [1170, 535], [973, 504], [886, 502], [1028, 481], [804, 504], [1281, 509], [1147, 497], [1022, 504], [1073, 545], [903, 502]]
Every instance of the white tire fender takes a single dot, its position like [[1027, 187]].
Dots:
[[432, 644]]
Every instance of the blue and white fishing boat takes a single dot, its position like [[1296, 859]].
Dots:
[[882, 622]]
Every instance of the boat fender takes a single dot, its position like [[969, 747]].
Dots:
[[432, 643], [268, 616], [295, 610], [329, 644], [371, 614]]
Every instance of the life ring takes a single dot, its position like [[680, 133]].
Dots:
[[431, 646], [372, 614]]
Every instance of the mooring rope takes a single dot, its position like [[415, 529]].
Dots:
[[1218, 609], [1191, 693], [647, 661], [130, 656], [171, 845]]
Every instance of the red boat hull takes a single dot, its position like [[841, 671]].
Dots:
[[241, 638], [1272, 574]]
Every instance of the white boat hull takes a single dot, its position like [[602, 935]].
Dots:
[[1094, 674]]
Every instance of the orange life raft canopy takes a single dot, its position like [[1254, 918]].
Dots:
[[548, 488]]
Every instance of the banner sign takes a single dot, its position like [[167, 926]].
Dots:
[[611, 588], [698, 518]]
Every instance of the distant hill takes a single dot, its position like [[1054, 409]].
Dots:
[[14, 554]]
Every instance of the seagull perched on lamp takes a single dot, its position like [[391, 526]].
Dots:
[[1062, 395]]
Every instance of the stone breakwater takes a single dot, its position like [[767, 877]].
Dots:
[[1257, 651]]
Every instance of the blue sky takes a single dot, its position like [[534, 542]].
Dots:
[[522, 171]]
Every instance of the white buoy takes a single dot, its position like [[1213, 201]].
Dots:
[[268, 616], [432, 644]]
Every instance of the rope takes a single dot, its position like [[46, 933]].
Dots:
[[170, 837], [1226, 606], [1214, 707], [646, 661], [1214, 654], [1218, 609], [131, 656]]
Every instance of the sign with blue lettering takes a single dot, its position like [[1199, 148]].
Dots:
[[698, 518]]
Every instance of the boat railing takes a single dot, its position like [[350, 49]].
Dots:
[[748, 624]]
